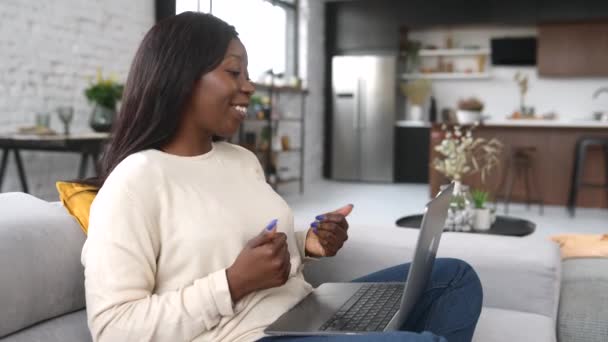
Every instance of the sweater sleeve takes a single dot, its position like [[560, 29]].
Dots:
[[120, 270], [300, 236]]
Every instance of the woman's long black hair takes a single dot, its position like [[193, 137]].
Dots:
[[172, 57]]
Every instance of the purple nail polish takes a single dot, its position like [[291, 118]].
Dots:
[[320, 217], [271, 224], [315, 224], [315, 230]]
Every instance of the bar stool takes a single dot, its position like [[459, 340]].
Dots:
[[522, 165], [582, 145]]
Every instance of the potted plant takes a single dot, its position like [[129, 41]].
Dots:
[[469, 111], [417, 93], [104, 94], [412, 53], [482, 218]]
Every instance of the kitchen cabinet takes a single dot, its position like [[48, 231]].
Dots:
[[568, 10], [573, 49], [558, 10], [363, 26], [513, 12], [374, 25], [412, 154], [450, 12]]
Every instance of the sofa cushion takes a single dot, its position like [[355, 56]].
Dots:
[[582, 245], [40, 268], [67, 328], [583, 309], [498, 325], [77, 199], [519, 274]]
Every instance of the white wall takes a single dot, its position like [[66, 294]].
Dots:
[[312, 66], [570, 98], [48, 49]]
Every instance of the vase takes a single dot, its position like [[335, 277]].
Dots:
[[460, 213], [102, 118], [415, 113], [468, 117], [482, 219]]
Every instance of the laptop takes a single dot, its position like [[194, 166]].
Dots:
[[355, 308]]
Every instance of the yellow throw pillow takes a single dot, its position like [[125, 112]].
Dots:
[[582, 245], [77, 199]]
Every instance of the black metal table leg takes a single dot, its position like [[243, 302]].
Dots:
[[21, 171], [82, 169], [5, 153], [96, 166]]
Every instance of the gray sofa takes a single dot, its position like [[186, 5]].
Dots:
[[42, 295]]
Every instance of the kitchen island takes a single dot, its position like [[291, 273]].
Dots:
[[554, 143]]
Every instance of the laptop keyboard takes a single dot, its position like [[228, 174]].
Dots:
[[369, 309]]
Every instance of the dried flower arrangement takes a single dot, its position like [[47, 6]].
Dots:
[[462, 154]]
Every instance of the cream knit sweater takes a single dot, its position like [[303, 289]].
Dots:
[[163, 229]]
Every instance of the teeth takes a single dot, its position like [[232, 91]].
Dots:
[[241, 109]]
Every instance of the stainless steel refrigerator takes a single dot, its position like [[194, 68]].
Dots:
[[363, 121]]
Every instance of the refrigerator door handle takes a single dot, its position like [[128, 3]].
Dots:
[[345, 95], [363, 104], [356, 121]]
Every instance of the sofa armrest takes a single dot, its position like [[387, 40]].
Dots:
[[42, 277], [521, 274]]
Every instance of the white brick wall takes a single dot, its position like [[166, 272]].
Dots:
[[48, 49]]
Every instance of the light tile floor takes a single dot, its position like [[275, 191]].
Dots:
[[383, 204]]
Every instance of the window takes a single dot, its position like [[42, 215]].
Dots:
[[192, 5], [265, 28]]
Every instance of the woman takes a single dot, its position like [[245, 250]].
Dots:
[[186, 239]]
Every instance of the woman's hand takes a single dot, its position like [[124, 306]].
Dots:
[[328, 233], [262, 264]]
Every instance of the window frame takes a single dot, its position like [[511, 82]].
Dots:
[[166, 8]]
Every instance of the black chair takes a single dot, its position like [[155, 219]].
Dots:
[[522, 165], [580, 154]]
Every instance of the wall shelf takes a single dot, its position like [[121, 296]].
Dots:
[[251, 119], [280, 88], [452, 52], [447, 76], [291, 150]]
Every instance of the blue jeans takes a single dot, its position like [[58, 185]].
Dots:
[[447, 311]]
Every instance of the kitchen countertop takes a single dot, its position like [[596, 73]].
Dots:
[[411, 123], [581, 123]]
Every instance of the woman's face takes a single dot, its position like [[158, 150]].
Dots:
[[220, 98]]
